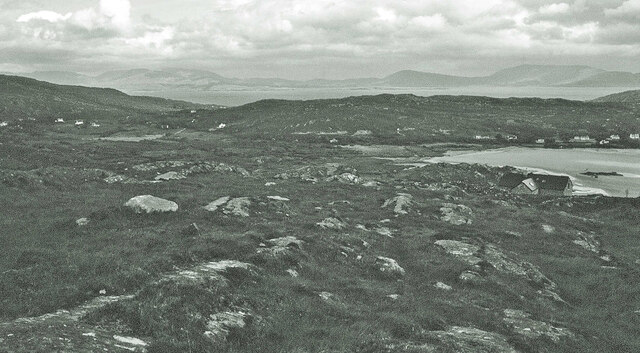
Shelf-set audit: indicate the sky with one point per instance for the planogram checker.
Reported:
(304, 39)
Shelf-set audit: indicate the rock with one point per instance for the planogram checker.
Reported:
(463, 251)
(270, 183)
(588, 242)
(384, 231)
(548, 229)
(102, 292)
(362, 133)
(389, 266)
(456, 214)
(238, 207)
(213, 206)
(472, 340)
(220, 325)
(521, 324)
(332, 223)
(345, 178)
(169, 176)
(208, 271)
(82, 221)
(150, 204)
(192, 230)
(371, 184)
(470, 277)
(281, 246)
(293, 273)
(278, 198)
(326, 296)
(400, 203)
(443, 286)
(393, 296)
(130, 340)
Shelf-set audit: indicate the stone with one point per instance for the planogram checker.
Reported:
(220, 325)
(389, 266)
(470, 277)
(280, 246)
(130, 340)
(548, 229)
(472, 340)
(151, 204)
(277, 198)
(400, 203)
(443, 286)
(293, 273)
(169, 176)
(331, 223)
(463, 251)
(81, 222)
(214, 205)
(521, 323)
(456, 214)
(238, 206)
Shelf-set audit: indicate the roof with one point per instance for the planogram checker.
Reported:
(530, 184)
(511, 180)
(550, 182)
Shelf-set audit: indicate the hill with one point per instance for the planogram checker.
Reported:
(164, 80)
(22, 97)
(632, 97)
(410, 118)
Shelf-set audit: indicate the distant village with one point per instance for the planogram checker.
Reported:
(578, 140)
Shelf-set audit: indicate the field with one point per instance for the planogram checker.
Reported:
(354, 254)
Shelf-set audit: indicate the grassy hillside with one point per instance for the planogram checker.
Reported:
(628, 97)
(22, 97)
(409, 118)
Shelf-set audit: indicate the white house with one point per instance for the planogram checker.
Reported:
(634, 136)
(540, 141)
(95, 125)
(4, 123)
(59, 120)
(614, 137)
(79, 122)
(193, 112)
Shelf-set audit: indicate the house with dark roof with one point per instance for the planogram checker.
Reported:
(537, 184)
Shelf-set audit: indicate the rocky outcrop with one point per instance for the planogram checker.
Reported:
(463, 251)
(456, 214)
(521, 323)
(221, 324)
(151, 204)
(389, 266)
(238, 206)
(280, 246)
(169, 176)
(214, 205)
(331, 223)
(472, 340)
(400, 203)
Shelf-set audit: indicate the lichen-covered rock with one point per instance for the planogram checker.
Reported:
(456, 214)
(214, 205)
(169, 176)
(389, 266)
(472, 340)
(281, 246)
(151, 204)
(463, 251)
(238, 207)
(521, 323)
(220, 325)
(332, 223)
(400, 203)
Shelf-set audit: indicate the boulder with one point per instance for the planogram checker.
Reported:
(238, 207)
(221, 324)
(82, 221)
(169, 176)
(463, 251)
(151, 204)
(456, 214)
(214, 205)
(389, 266)
(472, 340)
(521, 323)
(400, 203)
(332, 223)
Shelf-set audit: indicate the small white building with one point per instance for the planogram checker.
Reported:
(540, 141)
(95, 125)
(4, 123)
(193, 112)
(634, 136)
(59, 120)
(614, 137)
(79, 123)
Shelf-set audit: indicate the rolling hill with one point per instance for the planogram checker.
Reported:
(22, 97)
(632, 97)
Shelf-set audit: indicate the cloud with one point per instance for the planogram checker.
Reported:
(323, 37)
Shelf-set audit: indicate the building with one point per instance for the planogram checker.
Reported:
(59, 120)
(537, 184)
(634, 136)
(79, 123)
(614, 138)
(540, 141)
(480, 137)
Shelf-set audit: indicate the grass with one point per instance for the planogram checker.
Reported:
(51, 263)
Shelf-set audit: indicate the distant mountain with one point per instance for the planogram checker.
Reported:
(541, 75)
(22, 97)
(632, 97)
(175, 79)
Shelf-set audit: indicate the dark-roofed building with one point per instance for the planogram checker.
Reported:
(553, 184)
(536, 184)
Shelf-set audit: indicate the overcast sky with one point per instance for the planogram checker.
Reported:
(304, 39)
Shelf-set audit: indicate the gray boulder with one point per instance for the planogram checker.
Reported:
(151, 204)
